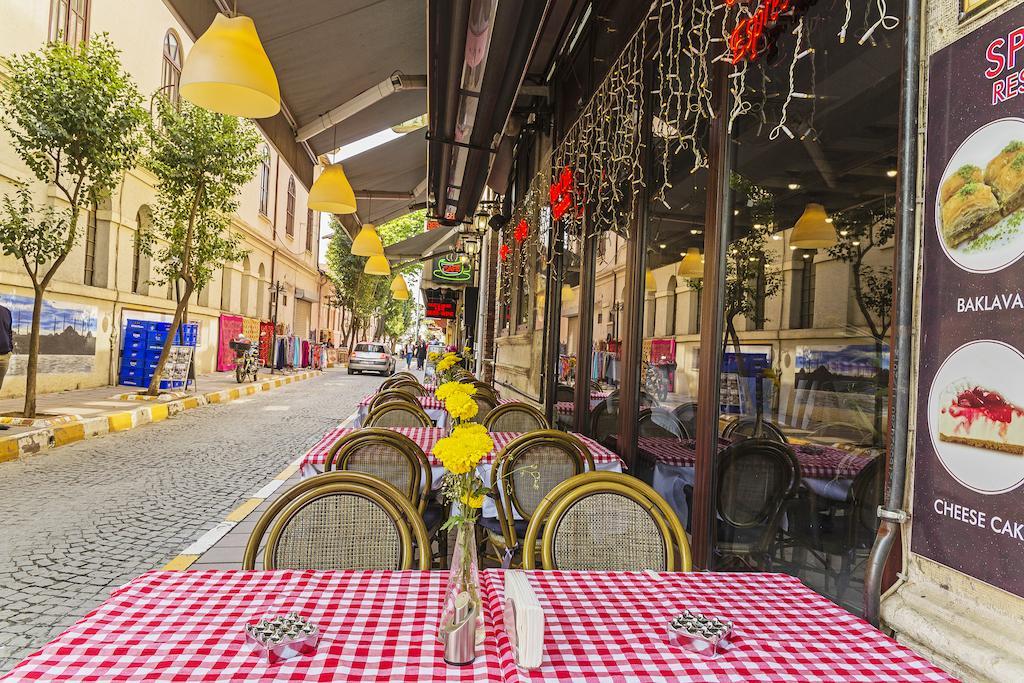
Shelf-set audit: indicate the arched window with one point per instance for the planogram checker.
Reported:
(171, 66)
(137, 255)
(289, 210)
(69, 21)
(91, 232)
(265, 181)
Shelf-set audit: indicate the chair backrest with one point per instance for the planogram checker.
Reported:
(604, 420)
(755, 476)
(515, 417)
(411, 387)
(564, 392)
(747, 428)
(389, 395)
(606, 521)
(528, 468)
(485, 403)
(397, 414)
(395, 379)
(843, 431)
(340, 520)
(659, 422)
(866, 492)
(387, 455)
(686, 413)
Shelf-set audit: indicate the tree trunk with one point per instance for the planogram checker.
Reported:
(179, 313)
(32, 370)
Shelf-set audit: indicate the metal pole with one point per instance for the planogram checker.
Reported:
(892, 515)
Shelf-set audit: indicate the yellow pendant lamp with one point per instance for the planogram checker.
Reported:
(331, 192)
(367, 242)
(568, 294)
(228, 71)
(649, 284)
(692, 265)
(399, 288)
(812, 230)
(377, 265)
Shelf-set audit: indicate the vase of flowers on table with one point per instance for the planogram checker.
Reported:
(460, 452)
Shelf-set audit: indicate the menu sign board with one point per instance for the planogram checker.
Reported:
(178, 362)
(969, 463)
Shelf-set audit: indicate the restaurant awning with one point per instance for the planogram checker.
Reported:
(325, 54)
(423, 246)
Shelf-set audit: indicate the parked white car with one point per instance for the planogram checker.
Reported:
(371, 357)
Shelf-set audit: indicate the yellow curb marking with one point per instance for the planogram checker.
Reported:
(119, 422)
(158, 412)
(233, 393)
(250, 390)
(287, 472)
(68, 434)
(243, 510)
(180, 562)
(191, 403)
(9, 449)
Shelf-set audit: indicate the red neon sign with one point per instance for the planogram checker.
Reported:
(440, 309)
(745, 40)
(561, 193)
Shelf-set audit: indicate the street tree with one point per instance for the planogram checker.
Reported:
(201, 160)
(861, 232)
(74, 117)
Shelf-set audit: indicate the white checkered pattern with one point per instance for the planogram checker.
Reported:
(611, 626)
(189, 627)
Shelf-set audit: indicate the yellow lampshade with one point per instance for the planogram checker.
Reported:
(228, 71)
(813, 231)
(692, 264)
(332, 192)
(399, 288)
(649, 284)
(367, 242)
(568, 294)
(377, 265)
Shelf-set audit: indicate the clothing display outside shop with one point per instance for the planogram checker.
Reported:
(230, 327)
(266, 339)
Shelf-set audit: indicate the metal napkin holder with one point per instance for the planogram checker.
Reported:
(281, 638)
(705, 636)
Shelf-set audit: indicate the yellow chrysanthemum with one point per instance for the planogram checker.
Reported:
(472, 501)
(447, 363)
(433, 356)
(461, 406)
(449, 388)
(463, 450)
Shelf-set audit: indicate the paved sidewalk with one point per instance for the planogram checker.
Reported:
(86, 413)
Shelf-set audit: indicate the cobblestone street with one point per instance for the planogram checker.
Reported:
(88, 517)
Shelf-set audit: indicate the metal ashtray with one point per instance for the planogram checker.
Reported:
(706, 636)
(281, 638)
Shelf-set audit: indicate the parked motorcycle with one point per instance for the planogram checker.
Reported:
(246, 359)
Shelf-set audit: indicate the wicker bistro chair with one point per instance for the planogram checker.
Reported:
(526, 469)
(413, 388)
(606, 521)
(604, 421)
(340, 520)
(485, 403)
(746, 428)
(660, 422)
(564, 392)
(397, 414)
(396, 459)
(755, 477)
(515, 417)
(686, 413)
(397, 378)
(389, 395)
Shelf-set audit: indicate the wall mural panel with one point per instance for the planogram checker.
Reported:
(67, 342)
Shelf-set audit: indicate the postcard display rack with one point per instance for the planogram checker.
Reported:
(143, 342)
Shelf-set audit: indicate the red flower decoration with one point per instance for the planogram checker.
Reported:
(521, 231)
(503, 252)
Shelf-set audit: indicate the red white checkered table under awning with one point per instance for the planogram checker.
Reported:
(425, 437)
(382, 626)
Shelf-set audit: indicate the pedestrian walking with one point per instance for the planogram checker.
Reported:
(421, 354)
(408, 356)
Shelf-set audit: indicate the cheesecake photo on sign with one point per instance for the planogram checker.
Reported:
(976, 416)
(980, 202)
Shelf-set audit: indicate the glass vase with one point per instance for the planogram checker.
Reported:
(462, 610)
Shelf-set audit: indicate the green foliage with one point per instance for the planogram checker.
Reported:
(861, 231)
(368, 297)
(201, 160)
(74, 118)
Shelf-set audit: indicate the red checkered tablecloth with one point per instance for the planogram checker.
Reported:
(426, 437)
(816, 462)
(610, 626)
(188, 627)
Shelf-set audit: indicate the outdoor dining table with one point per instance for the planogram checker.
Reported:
(432, 406)
(315, 459)
(826, 470)
(188, 627)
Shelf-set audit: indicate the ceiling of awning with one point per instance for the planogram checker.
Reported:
(326, 53)
(426, 244)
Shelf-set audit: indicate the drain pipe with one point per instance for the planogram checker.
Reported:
(892, 514)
